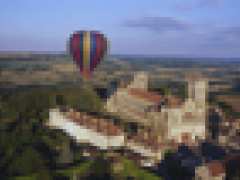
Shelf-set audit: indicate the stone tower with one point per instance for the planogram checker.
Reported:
(200, 93)
(191, 89)
(140, 81)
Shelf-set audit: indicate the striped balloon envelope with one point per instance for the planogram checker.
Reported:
(88, 49)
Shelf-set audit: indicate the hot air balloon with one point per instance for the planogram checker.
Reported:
(88, 49)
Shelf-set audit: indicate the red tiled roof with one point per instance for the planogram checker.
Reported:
(216, 168)
(149, 142)
(149, 96)
(188, 116)
(174, 101)
(97, 124)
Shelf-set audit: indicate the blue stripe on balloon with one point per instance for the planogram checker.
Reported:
(81, 34)
(92, 49)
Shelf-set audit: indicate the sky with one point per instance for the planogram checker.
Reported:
(151, 27)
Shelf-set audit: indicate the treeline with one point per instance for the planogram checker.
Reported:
(27, 145)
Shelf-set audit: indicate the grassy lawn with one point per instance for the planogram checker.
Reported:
(32, 177)
(80, 170)
(130, 169)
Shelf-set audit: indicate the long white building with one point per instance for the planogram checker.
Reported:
(83, 134)
(101, 134)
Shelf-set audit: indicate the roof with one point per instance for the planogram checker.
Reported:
(150, 142)
(146, 95)
(174, 101)
(216, 168)
(100, 125)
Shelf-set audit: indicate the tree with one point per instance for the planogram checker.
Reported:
(27, 145)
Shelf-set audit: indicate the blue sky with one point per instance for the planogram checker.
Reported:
(160, 27)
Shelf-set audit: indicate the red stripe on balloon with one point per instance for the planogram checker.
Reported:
(75, 49)
(102, 47)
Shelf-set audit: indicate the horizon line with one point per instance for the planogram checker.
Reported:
(20, 52)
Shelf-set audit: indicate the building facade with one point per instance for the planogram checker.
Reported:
(166, 116)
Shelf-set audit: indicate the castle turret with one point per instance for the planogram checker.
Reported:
(197, 90)
(191, 90)
(140, 81)
(200, 89)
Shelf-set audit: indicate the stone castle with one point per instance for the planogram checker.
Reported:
(167, 117)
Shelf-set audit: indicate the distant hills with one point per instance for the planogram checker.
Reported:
(48, 54)
(175, 57)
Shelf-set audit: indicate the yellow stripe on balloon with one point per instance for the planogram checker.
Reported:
(86, 53)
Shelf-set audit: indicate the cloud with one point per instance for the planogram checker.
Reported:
(185, 37)
(158, 24)
(232, 31)
(209, 3)
(197, 4)
(225, 36)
